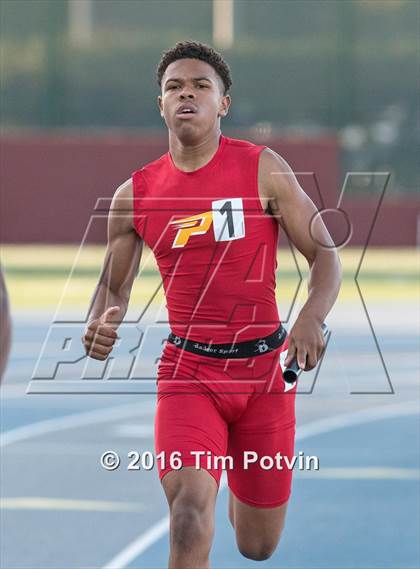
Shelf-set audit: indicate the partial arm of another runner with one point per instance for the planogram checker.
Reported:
(112, 293)
(5, 325)
(296, 213)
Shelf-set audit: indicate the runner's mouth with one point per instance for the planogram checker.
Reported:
(186, 111)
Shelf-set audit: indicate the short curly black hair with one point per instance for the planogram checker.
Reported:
(195, 50)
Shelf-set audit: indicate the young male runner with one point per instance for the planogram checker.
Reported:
(210, 210)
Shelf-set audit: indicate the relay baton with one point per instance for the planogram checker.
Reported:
(290, 374)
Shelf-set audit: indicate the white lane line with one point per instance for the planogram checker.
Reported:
(357, 418)
(13, 391)
(137, 547)
(75, 420)
(360, 473)
(39, 503)
(134, 430)
(90, 386)
(157, 531)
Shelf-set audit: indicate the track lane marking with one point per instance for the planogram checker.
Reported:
(40, 503)
(314, 428)
(360, 473)
(74, 420)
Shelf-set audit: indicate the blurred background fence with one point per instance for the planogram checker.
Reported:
(78, 100)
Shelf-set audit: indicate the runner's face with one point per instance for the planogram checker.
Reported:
(192, 100)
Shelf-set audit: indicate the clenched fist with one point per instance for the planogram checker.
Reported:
(100, 335)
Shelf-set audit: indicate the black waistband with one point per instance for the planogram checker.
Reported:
(248, 349)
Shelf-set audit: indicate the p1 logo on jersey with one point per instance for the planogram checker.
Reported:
(227, 216)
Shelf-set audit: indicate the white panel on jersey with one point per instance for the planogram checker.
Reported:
(283, 356)
(287, 386)
(228, 219)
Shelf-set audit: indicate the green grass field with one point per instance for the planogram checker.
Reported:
(44, 276)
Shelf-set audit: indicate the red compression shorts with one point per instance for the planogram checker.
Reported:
(227, 408)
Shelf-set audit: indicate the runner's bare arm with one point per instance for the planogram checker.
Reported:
(294, 211)
(5, 325)
(112, 293)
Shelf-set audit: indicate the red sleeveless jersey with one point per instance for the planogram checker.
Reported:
(214, 245)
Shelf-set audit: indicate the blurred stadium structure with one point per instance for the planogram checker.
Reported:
(304, 72)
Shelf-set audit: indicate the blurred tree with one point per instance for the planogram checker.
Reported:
(345, 71)
(55, 65)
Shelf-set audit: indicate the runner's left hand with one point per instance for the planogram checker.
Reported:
(306, 342)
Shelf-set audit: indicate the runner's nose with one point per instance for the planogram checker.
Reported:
(186, 94)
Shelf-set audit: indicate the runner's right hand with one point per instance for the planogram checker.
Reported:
(100, 335)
